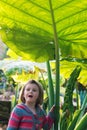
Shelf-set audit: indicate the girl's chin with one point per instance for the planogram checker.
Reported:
(30, 102)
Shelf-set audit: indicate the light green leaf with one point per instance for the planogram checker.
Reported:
(26, 27)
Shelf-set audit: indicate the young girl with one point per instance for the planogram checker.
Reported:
(29, 115)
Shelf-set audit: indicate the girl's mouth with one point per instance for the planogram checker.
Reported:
(30, 96)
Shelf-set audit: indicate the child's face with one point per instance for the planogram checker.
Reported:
(31, 93)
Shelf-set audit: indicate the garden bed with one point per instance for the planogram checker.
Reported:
(5, 109)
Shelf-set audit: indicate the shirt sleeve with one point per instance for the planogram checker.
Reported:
(48, 120)
(14, 119)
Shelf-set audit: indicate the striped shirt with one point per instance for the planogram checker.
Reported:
(22, 118)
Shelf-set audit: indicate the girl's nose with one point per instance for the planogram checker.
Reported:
(31, 90)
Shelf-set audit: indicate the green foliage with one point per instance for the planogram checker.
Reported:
(78, 121)
(63, 121)
(68, 108)
(72, 124)
(68, 105)
(82, 124)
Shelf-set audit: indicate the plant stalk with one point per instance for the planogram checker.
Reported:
(57, 78)
(50, 86)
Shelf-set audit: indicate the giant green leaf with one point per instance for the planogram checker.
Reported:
(26, 27)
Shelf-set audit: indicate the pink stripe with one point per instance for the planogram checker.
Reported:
(20, 106)
(13, 123)
(27, 118)
(26, 124)
(14, 115)
(41, 118)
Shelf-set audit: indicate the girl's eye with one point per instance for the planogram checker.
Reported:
(27, 89)
(34, 90)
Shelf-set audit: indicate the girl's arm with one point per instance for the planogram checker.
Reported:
(49, 119)
(14, 119)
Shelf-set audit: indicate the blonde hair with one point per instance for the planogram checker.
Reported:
(40, 97)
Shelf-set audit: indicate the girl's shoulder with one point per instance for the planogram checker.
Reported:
(21, 105)
(18, 107)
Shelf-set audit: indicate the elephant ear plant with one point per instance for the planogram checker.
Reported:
(45, 30)
(68, 108)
